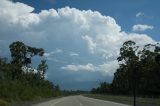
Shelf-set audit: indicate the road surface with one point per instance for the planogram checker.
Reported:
(78, 101)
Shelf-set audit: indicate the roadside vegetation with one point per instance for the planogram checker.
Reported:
(20, 81)
(139, 70)
(141, 101)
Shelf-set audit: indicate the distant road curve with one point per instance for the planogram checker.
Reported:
(78, 101)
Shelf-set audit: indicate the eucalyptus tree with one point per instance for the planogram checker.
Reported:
(21, 57)
(126, 74)
(150, 70)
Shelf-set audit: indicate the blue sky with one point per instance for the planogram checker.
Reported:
(81, 37)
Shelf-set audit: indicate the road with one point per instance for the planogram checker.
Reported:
(78, 101)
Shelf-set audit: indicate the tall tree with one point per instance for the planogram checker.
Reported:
(138, 68)
(21, 56)
(125, 77)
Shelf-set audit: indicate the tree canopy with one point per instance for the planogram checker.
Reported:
(138, 67)
(18, 79)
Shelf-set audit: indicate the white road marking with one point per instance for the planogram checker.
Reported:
(53, 104)
(80, 104)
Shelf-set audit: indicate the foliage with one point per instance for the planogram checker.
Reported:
(126, 99)
(3, 103)
(74, 92)
(104, 88)
(21, 57)
(19, 81)
(42, 69)
(138, 69)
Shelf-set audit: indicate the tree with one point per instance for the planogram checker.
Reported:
(138, 69)
(150, 70)
(125, 75)
(21, 57)
(42, 69)
(129, 58)
(157, 51)
(103, 88)
(27, 85)
(5, 68)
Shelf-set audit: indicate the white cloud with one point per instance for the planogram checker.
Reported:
(57, 51)
(87, 67)
(139, 14)
(142, 27)
(105, 69)
(73, 54)
(108, 68)
(90, 42)
(17, 14)
(70, 29)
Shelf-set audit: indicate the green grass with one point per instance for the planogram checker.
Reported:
(3, 103)
(126, 99)
(30, 103)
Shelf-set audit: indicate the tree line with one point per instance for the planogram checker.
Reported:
(139, 69)
(19, 80)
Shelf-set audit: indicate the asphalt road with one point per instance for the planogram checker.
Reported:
(78, 101)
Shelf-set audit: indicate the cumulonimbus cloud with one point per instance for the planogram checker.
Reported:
(84, 31)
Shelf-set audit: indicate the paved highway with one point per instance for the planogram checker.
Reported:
(78, 101)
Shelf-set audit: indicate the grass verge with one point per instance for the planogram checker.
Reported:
(3, 103)
(6, 102)
(30, 103)
(127, 99)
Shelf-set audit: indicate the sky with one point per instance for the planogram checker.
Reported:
(81, 38)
